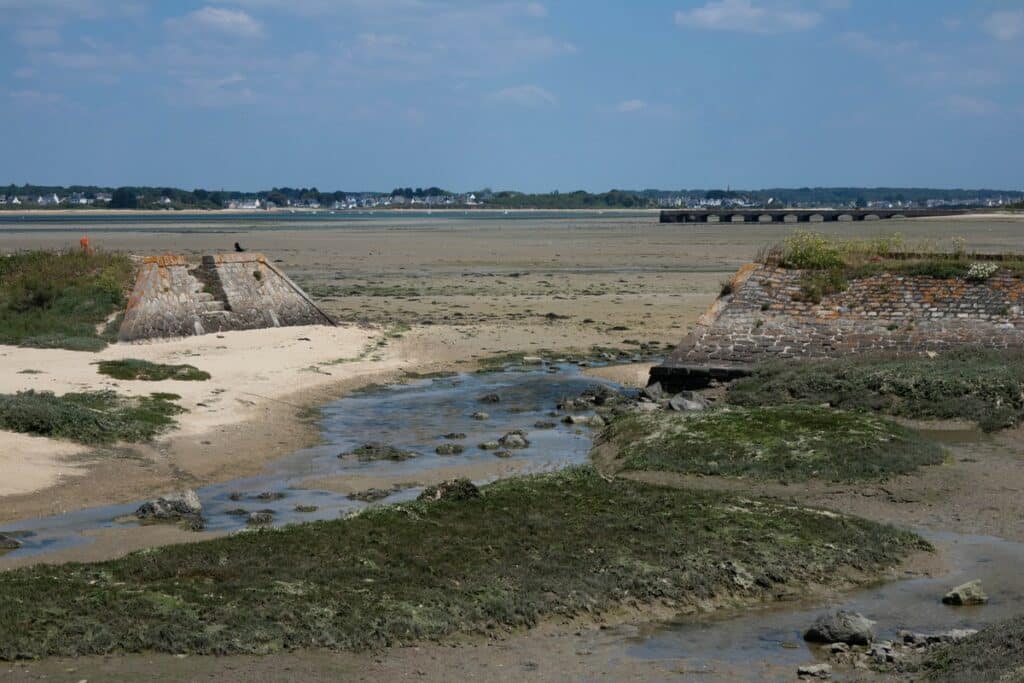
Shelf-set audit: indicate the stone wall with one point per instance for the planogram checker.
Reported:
(172, 298)
(767, 316)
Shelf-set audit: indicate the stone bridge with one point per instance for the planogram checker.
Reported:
(796, 215)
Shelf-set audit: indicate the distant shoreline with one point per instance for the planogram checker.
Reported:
(286, 211)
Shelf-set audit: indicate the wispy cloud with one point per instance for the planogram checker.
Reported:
(628, 106)
(1005, 24)
(37, 37)
(218, 20)
(744, 16)
(532, 96)
(35, 98)
(974, 106)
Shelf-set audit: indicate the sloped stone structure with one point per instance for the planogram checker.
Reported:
(766, 315)
(172, 298)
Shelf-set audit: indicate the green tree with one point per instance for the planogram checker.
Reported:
(123, 198)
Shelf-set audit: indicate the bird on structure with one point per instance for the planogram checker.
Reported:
(238, 247)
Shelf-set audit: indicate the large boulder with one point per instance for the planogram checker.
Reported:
(171, 507)
(969, 593)
(687, 401)
(841, 626)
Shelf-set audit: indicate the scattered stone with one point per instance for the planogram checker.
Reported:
(646, 407)
(480, 416)
(450, 449)
(814, 671)
(306, 508)
(238, 512)
(514, 439)
(599, 395)
(372, 494)
(838, 648)
(969, 593)
(597, 421)
(380, 451)
(174, 507)
(456, 489)
(454, 436)
(928, 639)
(841, 626)
(533, 360)
(9, 542)
(489, 398)
(503, 453)
(882, 653)
(544, 424)
(236, 495)
(261, 518)
(653, 391)
(588, 420)
(687, 401)
(490, 446)
(270, 495)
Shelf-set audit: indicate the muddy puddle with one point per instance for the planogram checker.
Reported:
(414, 417)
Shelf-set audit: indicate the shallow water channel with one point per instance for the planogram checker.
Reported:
(757, 645)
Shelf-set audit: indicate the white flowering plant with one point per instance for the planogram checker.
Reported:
(981, 271)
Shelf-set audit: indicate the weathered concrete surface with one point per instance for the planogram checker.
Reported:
(172, 298)
(765, 316)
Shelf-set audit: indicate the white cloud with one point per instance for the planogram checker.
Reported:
(627, 106)
(1004, 25)
(745, 16)
(882, 49)
(975, 106)
(35, 97)
(218, 20)
(532, 96)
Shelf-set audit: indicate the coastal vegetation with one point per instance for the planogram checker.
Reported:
(557, 544)
(93, 418)
(789, 443)
(135, 369)
(995, 653)
(984, 386)
(62, 300)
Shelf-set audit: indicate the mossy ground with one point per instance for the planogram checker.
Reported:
(986, 387)
(555, 544)
(791, 443)
(58, 300)
(996, 653)
(93, 418)
(131, 368)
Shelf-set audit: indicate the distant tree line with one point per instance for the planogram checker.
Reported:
(143, 197)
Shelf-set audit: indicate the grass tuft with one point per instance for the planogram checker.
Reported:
(546, 545)
(792, 443)
(93, 418)
(996, 653)
(131, 368)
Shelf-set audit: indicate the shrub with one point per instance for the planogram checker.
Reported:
(51, 300)
(810, 250)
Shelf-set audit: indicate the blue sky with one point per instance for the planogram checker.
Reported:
(570, 94)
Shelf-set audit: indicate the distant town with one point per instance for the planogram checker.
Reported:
(31, 197)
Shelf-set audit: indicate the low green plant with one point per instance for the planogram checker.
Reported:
(985, 386)
(810, 250)
(93, 418)
(995, 653)
(817, 284)
(792, 443)
(131, 369)
(552, 545)
(57, 300)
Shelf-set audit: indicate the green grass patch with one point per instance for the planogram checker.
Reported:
(983, 386)
(791, 443)
(546, 545)
(131, 368)
(57, 300)
(996, 653)
(93, 418)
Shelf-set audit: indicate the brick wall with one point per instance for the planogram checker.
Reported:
(766, 316)
(172, 298)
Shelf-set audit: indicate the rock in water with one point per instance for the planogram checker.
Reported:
(380, 451)
(841, 627)
(814, 671)
(489, 398)
(969, 593)
(456, 489)
(490, 446)
(9, 543)
(450, 449)
(514, 439)
(480, 416)
(173, 506)
(261, 518)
